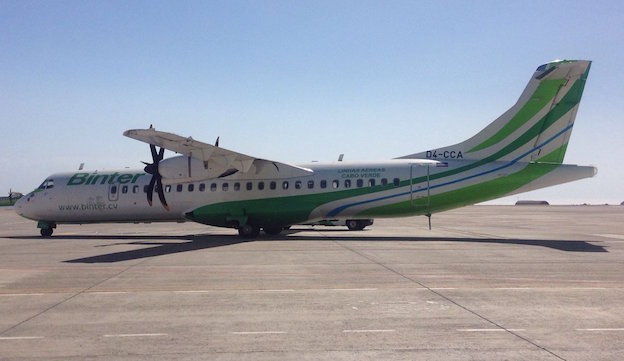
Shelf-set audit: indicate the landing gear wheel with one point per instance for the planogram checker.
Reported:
(46, 232)
(273, 231)
(248, 231)
(354, 225)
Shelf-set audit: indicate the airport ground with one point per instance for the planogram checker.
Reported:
(487, 283)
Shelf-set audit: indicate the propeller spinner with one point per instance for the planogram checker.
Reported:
(152, 168)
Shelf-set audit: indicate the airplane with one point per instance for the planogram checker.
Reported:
(520, 151)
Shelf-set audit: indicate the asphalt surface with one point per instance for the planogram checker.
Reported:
(487, 283)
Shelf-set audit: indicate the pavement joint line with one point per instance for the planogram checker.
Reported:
(443, 288)
(367, 331)
(490, 329)
(276, 290)
(15, 338)
(70, 298)
(599, 329)
(443, 296)
(280, 290)
(136, 335)
(20, 294)
(258, 332)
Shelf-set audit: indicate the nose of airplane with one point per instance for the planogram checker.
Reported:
(21, 206)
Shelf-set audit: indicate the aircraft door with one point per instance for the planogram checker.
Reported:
(113, 192)
(419, 191)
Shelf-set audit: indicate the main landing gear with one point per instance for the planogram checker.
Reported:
(358, 224)
(248, 231)
(252, 231)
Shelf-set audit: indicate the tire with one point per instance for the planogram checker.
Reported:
(354, 225)
(46, 232)
(248, 231)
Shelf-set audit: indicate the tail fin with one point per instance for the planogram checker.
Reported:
(536, 128)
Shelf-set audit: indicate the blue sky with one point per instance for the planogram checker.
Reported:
(296, 80)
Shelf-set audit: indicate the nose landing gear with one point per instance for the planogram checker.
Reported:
(46, 228)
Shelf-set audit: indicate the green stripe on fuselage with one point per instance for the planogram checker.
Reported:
(476, 193)
(276, 211)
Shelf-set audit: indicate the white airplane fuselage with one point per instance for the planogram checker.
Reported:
(522, 150)
(119, 196)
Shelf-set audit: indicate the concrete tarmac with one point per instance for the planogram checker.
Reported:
(487, 283)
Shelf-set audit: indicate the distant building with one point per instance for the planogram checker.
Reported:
(532, 203)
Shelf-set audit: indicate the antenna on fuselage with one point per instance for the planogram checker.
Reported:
(340, 157)
(81, 166)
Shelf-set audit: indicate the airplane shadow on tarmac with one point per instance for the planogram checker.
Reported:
(159, 245)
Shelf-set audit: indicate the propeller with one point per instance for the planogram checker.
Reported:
(152, 168)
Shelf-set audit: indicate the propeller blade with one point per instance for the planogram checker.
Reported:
(161, 193)
(150, 190)
(154, 154)
(152, 168)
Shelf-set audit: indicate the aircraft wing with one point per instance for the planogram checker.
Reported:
(222, 158)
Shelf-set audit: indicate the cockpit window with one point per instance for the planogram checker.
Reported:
(47, 184)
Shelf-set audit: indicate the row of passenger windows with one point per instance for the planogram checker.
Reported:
(273, 185)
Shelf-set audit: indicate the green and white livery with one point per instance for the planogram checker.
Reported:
(520, 151)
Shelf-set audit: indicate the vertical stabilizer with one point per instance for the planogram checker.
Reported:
(536, 128)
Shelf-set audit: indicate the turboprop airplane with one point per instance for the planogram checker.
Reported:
(520, 151)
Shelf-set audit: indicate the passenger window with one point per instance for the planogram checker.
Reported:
(225, 187)
(384, 181)
(124, 189)
(323, 184)
(237, 186)
(310, 184)
(213, 187)
(260, 185)
(285, 185)
(168, 188)
(179, 187)
(335, 184)
(272, 185)
(249, 186)
(298, 185)
(135, 189)
(202, 187)
(396, 182)
(191, 187)
(347, 183)
(360, 183)
(371, 182)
